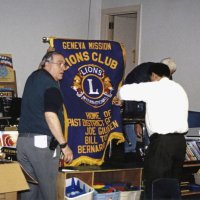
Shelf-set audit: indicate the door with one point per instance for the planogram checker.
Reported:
(122, 25)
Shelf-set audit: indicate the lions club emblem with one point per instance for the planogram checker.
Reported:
(92, 85)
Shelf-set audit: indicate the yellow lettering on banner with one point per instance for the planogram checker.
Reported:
(107, 120)
(96, 57)
(77, 58)
(107, 113)
(108, 129)
(84, 149)
(73, 45)
(104, 137)
(100, 45)
(90, 131)
(90, 140)
(86, 122)
(92, 115)
(74, 122)
(110, 62)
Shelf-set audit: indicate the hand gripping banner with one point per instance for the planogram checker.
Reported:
(95, 71)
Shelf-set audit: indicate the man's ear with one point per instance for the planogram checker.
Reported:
(155, 77)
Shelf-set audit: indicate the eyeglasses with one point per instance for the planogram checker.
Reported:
(59, 64)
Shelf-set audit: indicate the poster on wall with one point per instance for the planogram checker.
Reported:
(89, 86)
(8, 141)
(6, 68)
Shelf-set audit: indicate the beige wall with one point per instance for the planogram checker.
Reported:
(170, 28)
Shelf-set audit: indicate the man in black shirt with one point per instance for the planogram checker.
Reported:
(41, 120)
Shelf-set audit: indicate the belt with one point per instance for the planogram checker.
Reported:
(156, 135)
(31, 134)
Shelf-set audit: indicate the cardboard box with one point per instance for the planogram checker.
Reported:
(8, 196)
(12, 180)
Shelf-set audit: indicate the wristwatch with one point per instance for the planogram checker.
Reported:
(63, 145)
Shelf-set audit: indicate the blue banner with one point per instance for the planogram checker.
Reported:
(95, 72)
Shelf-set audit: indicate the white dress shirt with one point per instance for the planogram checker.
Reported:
(166, 105)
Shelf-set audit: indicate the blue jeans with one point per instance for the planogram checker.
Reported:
(130, 132)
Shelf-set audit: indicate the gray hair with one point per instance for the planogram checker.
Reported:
(48, 57)
(170, 63)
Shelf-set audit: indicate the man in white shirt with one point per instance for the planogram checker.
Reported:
(166, 123)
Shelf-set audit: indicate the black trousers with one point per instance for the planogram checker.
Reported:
(164, 159)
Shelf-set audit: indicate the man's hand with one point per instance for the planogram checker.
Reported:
(68, 155)
(116, 101)
(138, 129)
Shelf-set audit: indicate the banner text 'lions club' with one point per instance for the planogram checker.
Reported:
(94, 72)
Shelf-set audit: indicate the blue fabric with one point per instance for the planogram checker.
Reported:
(89, 85)
(193, 119)
(129, 130)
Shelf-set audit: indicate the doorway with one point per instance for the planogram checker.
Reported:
(123, 25)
